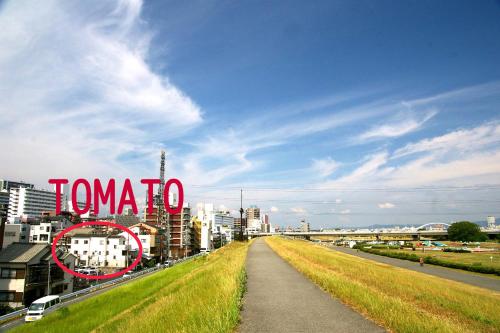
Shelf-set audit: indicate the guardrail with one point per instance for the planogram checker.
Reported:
(91, 289)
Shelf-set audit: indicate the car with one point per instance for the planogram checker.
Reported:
(40, 307)
(127, 275)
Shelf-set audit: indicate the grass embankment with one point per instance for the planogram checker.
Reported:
(480, 262)
(201, 295)
(398, 299)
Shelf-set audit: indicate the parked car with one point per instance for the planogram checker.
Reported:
(40, 307)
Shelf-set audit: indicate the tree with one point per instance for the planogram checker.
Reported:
(466, 231)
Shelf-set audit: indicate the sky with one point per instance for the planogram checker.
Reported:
(338, 112)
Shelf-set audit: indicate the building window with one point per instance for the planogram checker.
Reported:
(84, 253)
(8, 273)
(114, 257)
(115, 246)
(143, 241)
(76, 252)
(99, 252)
(85, 242)
(101, 242)
(7, 296)
(35, 238)
(76, 241)
(48, 229)
(107, 252)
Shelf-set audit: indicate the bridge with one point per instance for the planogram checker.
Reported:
(383, 234)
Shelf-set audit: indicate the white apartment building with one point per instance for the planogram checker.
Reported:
(29, 203)
(206, 244)
(44, 232)
(224, 225)
(100, 250)
(491, 222)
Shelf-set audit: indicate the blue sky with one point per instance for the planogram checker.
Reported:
(343, 113)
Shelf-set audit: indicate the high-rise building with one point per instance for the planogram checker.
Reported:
(6, 185)
(25, 202)
(224, 226)
(180, 233)
(304, 226)
(253, 213)
(491, 222)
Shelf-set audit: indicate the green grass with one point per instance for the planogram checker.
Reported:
(201, 295)
(399, 300)
(474, 262)
(481, 258)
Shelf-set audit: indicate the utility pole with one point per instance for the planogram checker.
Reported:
(241, 214)
(160, 214)
(48, 278)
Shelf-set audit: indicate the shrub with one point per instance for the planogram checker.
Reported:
(456, 250)
(476, 267)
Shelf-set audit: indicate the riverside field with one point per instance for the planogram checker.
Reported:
(399, 300)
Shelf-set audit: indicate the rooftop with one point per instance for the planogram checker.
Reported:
(21, 252)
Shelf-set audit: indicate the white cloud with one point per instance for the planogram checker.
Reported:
(76, 88)
(298, 210)
(398, 127)
(461, 140)
(386, 205)
(345, 211)
(274, 209)
(338, 201)
(324, 167)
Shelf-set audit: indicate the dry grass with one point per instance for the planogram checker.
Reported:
(202, 295)
(398, 299)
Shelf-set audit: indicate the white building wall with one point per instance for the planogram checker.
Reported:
(28, 202)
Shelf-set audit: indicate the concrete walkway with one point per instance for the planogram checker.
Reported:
(482, 281)
(280, 299)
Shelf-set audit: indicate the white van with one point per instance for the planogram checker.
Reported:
(40, 306)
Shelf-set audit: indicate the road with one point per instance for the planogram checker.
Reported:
(280, 299)
(477, 280)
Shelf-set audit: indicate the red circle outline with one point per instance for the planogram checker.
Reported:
(96, 277)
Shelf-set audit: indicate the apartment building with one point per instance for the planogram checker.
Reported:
(29, 203)
(151, 239)
(24, 273)
(45, 231)
(180, 233)
(105, 251)
(15, 233)
(224, 226)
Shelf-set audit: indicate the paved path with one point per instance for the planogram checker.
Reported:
(447, 273)
(280, 299)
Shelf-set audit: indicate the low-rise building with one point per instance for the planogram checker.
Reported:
(150, 238)
(15, 233)
(104, 251)
(24, 273)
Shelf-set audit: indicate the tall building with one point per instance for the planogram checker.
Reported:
(205, 214)
(304, 226)
(491, 222)
(224, 226)
(6, 185)
(253, 213)
(180, 233)
(25, 202)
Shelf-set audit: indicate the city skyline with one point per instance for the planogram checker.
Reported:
(314, 115)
